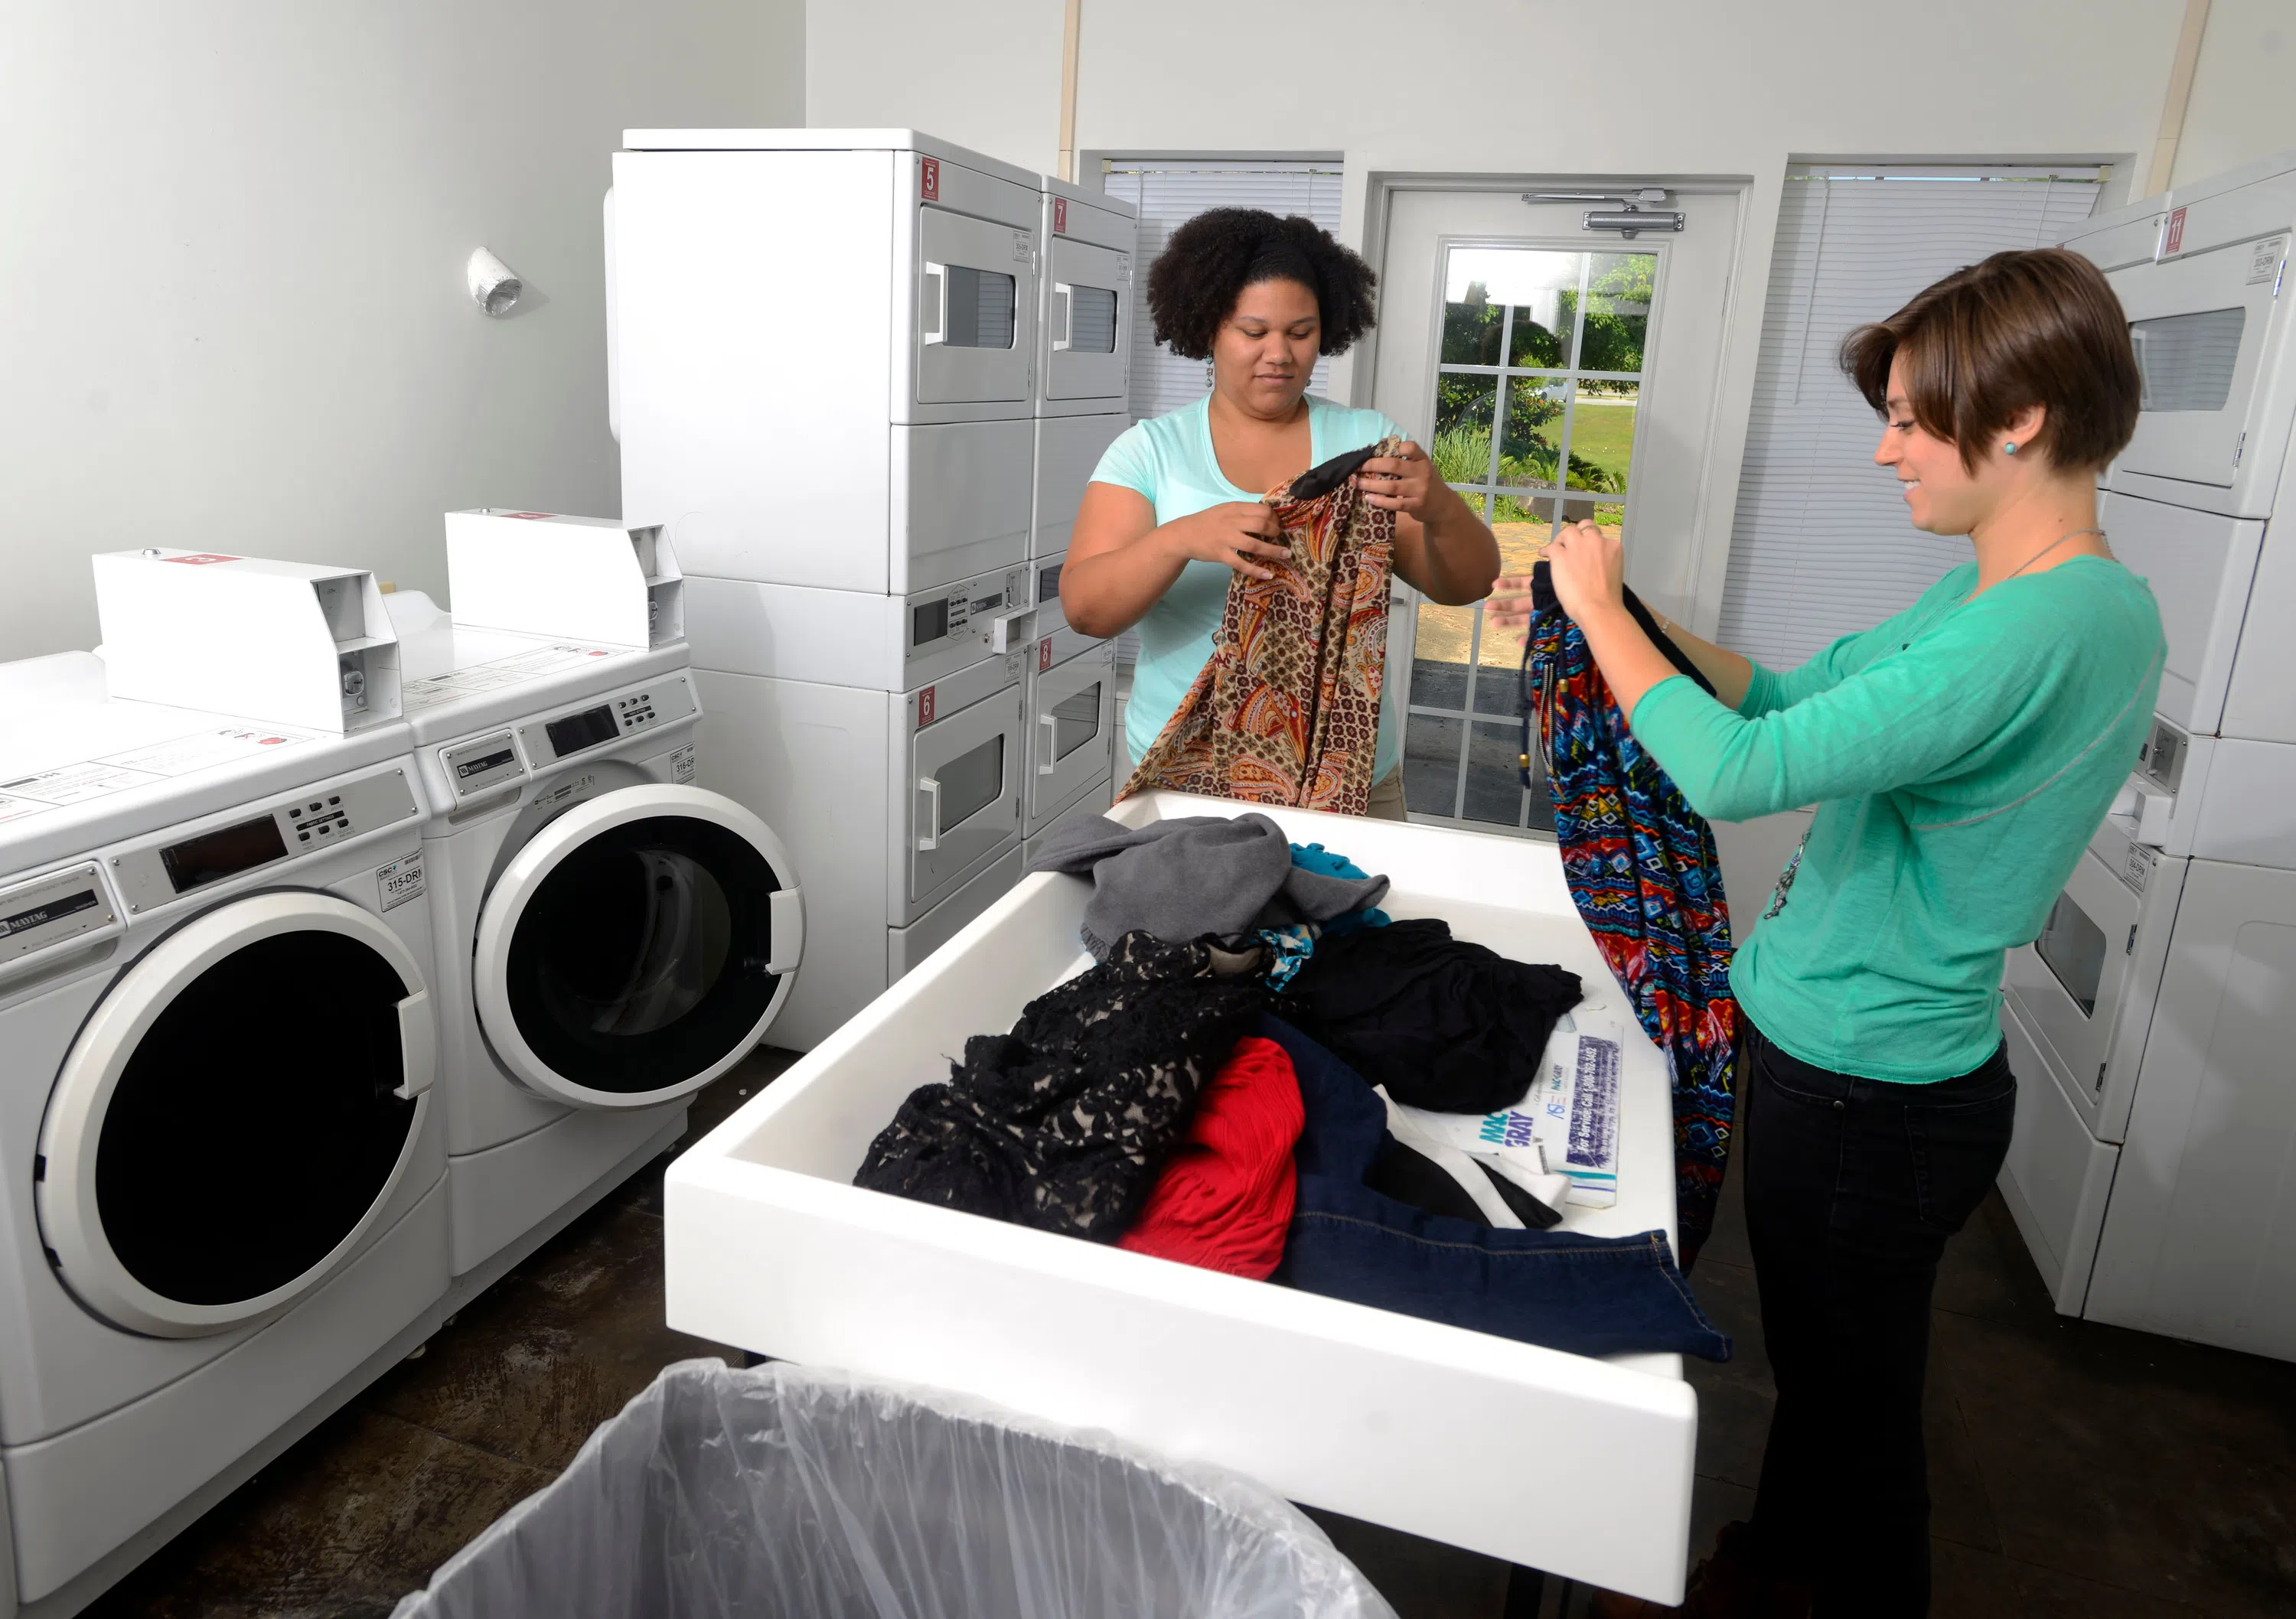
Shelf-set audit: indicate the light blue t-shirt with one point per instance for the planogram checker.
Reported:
(1170, 460)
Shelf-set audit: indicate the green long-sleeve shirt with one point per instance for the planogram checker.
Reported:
(1961, 757)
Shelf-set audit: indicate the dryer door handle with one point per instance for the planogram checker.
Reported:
(785, 914)
(418, 1045)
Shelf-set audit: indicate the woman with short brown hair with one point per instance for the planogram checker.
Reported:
(1961, 756)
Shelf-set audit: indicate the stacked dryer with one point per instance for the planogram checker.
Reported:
(1083, 375)
(2152, 1024)
(611, 937)
(826, 365)
(221, 1208)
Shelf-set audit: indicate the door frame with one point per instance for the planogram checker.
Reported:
(1707, 552)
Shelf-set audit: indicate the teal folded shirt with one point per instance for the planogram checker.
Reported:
(1169, 459)
(1961, 756)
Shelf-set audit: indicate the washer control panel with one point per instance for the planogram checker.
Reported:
(59, 908)
(229, 845)
(636, 709)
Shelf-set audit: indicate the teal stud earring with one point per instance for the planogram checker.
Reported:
(2009, 448)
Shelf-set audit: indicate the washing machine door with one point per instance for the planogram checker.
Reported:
(235, 1116)
(638, 946)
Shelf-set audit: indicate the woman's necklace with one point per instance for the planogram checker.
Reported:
(2068, 535)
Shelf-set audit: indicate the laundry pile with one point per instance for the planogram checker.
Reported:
(1263, 1074)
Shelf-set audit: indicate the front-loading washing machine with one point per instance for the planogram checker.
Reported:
(222, 1209)
(611, 937)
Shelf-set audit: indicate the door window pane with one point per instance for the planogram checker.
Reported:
(1430, 764)
(1441, 640)
(1075, 721)
(1092, 320)
(2187, 360)
(1495, 775)
(972, 781)
(2074, 948)
(980, 305)
(1543, 440)
(1619, 287)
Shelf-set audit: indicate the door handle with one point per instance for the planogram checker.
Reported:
(937, 301)
(1067, 295)
(1051, 740)
(929, 840)
(785, 916)
(418, 1046)
(2143, 375)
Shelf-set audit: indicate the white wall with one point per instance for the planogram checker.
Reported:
(231, 245)
(1530, 88)
(983, 73)
(2244, 104)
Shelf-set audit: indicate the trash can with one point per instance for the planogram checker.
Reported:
(781, 1492)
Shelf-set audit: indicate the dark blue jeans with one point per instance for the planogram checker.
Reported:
(1588, 1295)
(1852, 1187)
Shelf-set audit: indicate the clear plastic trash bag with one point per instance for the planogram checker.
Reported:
(780, 1493)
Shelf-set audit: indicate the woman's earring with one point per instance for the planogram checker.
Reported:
(1207, 373)
(2010, 448)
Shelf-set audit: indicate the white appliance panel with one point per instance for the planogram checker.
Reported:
(2200, 1241)
(1069, 449)
(960, 504)
(2057, 1177)
(2261, 703)
(2200, 565)
(964, 792)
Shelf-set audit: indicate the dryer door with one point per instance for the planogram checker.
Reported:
(235, 1115)
(638, 946)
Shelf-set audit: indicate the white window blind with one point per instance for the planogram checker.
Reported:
(1169, 192)
(1821, 546)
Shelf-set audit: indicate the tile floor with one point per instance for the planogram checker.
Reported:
(2078, 1470)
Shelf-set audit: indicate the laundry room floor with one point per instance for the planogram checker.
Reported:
(2078, 1470)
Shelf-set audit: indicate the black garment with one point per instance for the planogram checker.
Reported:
(1065, 1123)
(1441, 1023)
(1852, 1187)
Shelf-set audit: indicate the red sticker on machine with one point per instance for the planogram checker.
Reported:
(930, 182)
(1060, 215)
(1044, 654)
(532, 517)
(200, 559)
(2175, 241)
(924, 708)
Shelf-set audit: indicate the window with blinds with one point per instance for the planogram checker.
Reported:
(1820, 545)
(1169, 192)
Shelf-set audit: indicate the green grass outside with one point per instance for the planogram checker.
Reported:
(1603, 434)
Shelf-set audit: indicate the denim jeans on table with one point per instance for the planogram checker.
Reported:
(1852, 1186)
(1588, 1295)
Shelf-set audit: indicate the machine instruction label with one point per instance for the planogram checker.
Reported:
(401, 880)
(2264, 262)
(140, 767)
(456, 683)
(681, 763)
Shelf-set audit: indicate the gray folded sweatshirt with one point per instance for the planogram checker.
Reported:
(1184, 877)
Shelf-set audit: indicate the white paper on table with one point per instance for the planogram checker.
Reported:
(1569, 1122)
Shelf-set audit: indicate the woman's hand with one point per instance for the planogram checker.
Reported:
(1236, 534)
(1590, 568)
(1401, 482)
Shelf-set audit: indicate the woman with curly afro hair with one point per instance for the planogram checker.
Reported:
(1172, 512)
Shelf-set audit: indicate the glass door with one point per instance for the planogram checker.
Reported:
(2198, 325)
(235, 1115)
(1533, 390)
(1071, 708)
(636, 946)
(965, 796)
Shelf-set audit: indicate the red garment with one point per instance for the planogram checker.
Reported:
(1224, 1201)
